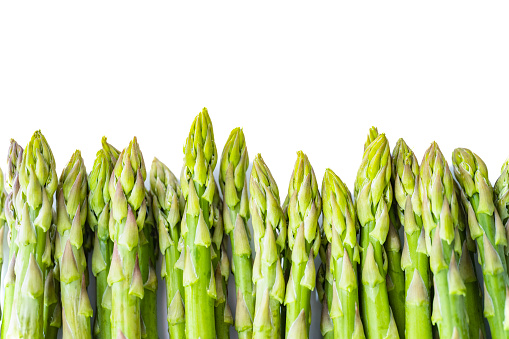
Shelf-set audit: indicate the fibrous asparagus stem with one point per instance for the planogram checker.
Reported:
(129, 210)
(3, 221)
(473, 298)
(148, 254)
(440, 215)
(414, 260)
(15, 156)
(199, 189)
(304, 209)
(168, 205)
(72, 208)
(340, 229)
(269, 228)
(233, 183)
(487, 230)
(99, 218)
(38, 182)
(373, 193)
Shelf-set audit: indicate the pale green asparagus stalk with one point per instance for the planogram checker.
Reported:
(487, 230)
(15, 156)
(440, 216)
(3, 221)
(414, 260)
(148, 255)
(324, 289)
(34, 286)
(99, 218)
(269, 228)
(304, 209)
(72, 208)
(168, 204)
(129, 210)
(501, 191)
(233, 183)
(373, 193)
(199, 189)
(473, 297)
(340, 228)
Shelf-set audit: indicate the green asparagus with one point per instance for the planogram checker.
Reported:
(99, 217)
(340, 228)
(15, 155)
(414, 260)
(304, 209)
(129, 210)
(233, 183)
(440, 216)
(34, 286)
(473, 297)
(269, 228)
(168, 205)
(373, 194)
(501, 190)
(324, 289)
(487, 230)
(148, 254)
(199, 189)
(72, 208)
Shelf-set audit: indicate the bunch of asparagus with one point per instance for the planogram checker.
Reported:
(398, 258)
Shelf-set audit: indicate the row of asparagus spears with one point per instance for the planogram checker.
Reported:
(398, 258)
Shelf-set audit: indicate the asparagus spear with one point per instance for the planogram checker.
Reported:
(148, 254)
(14, 158)
(99, 217)
(324, 289)
(414, 261)
(487, 230)
(501, 191)
(199, 188)
(373, 193)
(129, 209)
(38, 182)
(440, 215)
(304, 209)
(340, 228)
(473, 298)
(168, 205)
(233, 183)
(3, 221)
(269, 228)
(72, 207)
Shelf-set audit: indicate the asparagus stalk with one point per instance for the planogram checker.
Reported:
(304, 209)
(414, 260)
(148, 251)
(129, 210)
(440, 214)
(373, 193)
(15, 156)
(269, 228)
(99, 217)
(340, 228)
(3, 221)
(487, 230)
(501, 190)
(38, 182)
(473, 298)
(168, 205)
(199, 188)
(72, 207)
(324, 289)
(233, 183)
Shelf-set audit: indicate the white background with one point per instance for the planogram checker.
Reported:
(311, 76)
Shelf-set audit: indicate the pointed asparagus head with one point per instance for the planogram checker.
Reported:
(37, 171)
